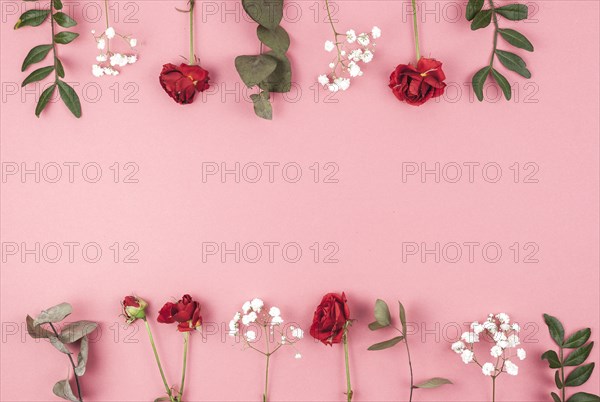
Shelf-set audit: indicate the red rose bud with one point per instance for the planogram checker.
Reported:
(186, 312)
(416, 86)
(330, 319)
(181, 83)
(134, 308)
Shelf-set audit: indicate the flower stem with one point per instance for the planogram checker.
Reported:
(494, 389)
(162, 373)
(107, 24)
(268, 355)
(410, 368)
(562, 374)
(495, 21)
(186, 339)
(416, 29)
(348, 384)
(192, 54)
(73, 365)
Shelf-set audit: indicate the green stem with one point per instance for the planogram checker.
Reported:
(416, 30)
(192, 54)
(54, 57)
(493, 389)
(162, 373)
(268, 355)
(562, 374)
(186, 338)
(73, 365)
(346, 356)
(410, 367)
(495, 22)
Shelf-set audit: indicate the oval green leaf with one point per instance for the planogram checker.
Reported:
(402, 314)
(276, 39)
(578, 356)
(254, 69)
(36, 55)
(552, 358)
(513, 12)
(32, 18)
(53, 314)
(262, 105)
(60, 70)
(433, 383)
(473, 7)
(478, 82)
(481, 20)
(70, 98)
(382, 313)
(280, 80)
(513, 62)
(36, 331)
(557, 331)
(503, 83)
(583, 397)
(82, 357)
(57, 4)
(65, 37)
(386, 344)
(77, 330)
(64, 20)
(557, 380)
(516, 39)
(578, 339)
(555, 397)
(44, 99)
(580, 375)
(63, 390)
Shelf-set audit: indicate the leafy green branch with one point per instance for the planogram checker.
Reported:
(383, 319)
(43, 327)
(576, 358)
(481, 18)
(35, 18)
(271, 71)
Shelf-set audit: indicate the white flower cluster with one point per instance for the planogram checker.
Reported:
(108, 60)
(352, 49)
(505, 338)
(255, 317)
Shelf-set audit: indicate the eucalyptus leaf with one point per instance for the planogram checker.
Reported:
(503, 83)
(402, 317)
(280, 80)
(578, 356)
(481, 20)
(386, 344)
(557, 331)
(36, 55)
(82, 357)
(578, 339)
(59, 345)
(77, 330)
(433, 383)
(516, 39)
(65, 37)
(70, 98)
(262, 105)
(478, 81)
(63, 390)
(32, 18)
(254, 69)
(267, 13)
(276, 39)
(473, 7)
(42, 102)
(382, 313)
(513, 12)
(552, 358)
(36, 331)
(580, 375)
(53, 314)
(64, 20)
(583, 397)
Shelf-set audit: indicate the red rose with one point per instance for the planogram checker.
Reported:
(186, 312)
(416, 86)
(330, 319)
(181, 83)
(134, 308)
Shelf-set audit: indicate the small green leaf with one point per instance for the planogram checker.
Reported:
(35, 331)
(578, 339)
(53, 314)
(57, 4)
(65, 37)
(557, 380)
(32, 18)
(382, 313)
(481, 20)
(38, 75)
(433, 383)
(44, 99)
(82, 357)
(516, 39)
(374, 326)
(513, 12)
(402, 315)
(276, 39)
(552, 358)
(557, 332)
(555, 397)
(254, 69)
(583, 397)
(578, 356)
(63, 390)
(267, 13)
(580, 375)
(262, 105)
(60, 70)
(70, 98)
(59, 345)
(280, 80)
(473, 7)
(77, 330)
(64, 20)
(386, 344)
(503, 83)
(36, 55)
(478, 81)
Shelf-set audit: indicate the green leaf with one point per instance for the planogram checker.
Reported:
(44, 99)
(473, 7)
(64, 20)
(503, 83)
(57, 4)
(382, 313)
(60, 70)
(32, 18)
(82, 357)
(254, 69)
(578, 356)
(433, 383)
(59, 345)
(63, 390)
(77, 330)
(555, 397)
(374, 326)
(267, 13)
(65, 37)
(37, 75)
(513, 12)
(478, 81)
(280, 80)
(557, 332)
(386, 344)
(276, 39)
(53, 314)
(481, 20)
(262, 105)
(35, 331)
(516, 39)
(580, 375)
(557, 380)
(552, 358)
(583, 397)
(402, 317)
(36, 55)
(70, 98)
(578, 339)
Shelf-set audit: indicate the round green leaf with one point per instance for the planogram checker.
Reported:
(276, 39)
(382, 313)
(254, 69)
(280, 80)
(262, 105)
(267, 13)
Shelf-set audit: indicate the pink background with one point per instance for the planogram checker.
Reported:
(552, 122)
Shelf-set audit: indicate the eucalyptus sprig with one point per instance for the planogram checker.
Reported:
(384, 320)
(35, 18)
(271, 71)
(43, 327)
(576, 358)
(481, 18)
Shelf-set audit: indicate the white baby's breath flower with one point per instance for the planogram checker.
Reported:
(458, 346)
(355, 55)
(249, 318)
(298, 333)
(342, 83)
(133, 42)
(516, 327)
(101, 58)
(502, 344)
(257, 304)
(276, 320)
(237, 317)
(97, 71)
(251, 335)
(110, 71)
(505, 327)
(93, 31)
(332, 87)
(351, 36)
(521, 354)
(101, 44)
(354, 69)
(298, 356)
(488, 369)
(131, 59)
(499, 336)
(470, 337)
(246, 307)
(363, 39)
(274, 311)
(490, 326)
(331, 65)
(467, 356)
(110, 32)
(329, 46)
(511, 368)
(367, 56)
(375, 32)
(496, 351)
(503, 318)
(118, 59)
(323, 79)
(513, 340)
